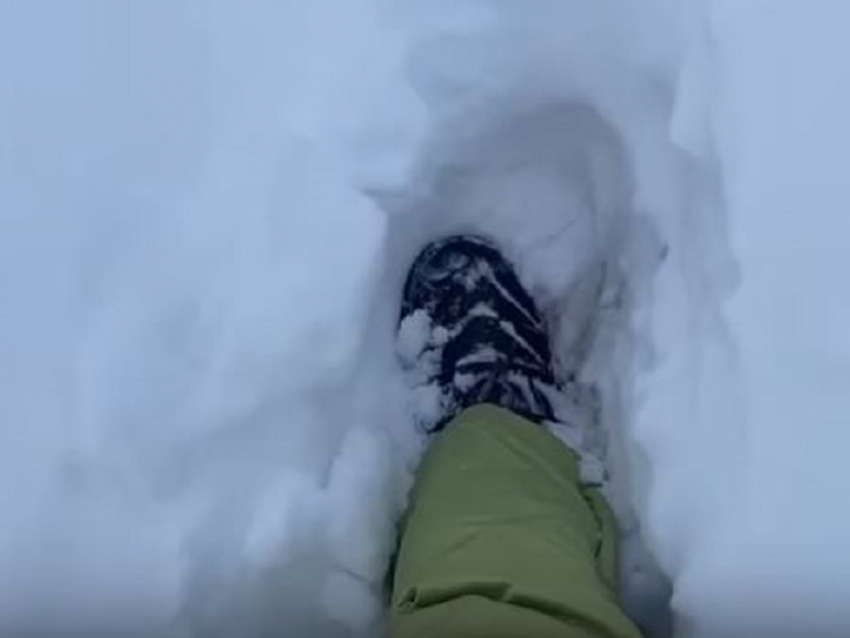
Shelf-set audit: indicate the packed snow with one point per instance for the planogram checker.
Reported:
(207, 210)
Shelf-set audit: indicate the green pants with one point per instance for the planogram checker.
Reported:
(501, 540)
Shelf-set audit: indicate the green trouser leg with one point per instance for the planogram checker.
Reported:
(501, 539)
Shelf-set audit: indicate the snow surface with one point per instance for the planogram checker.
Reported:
(206, 213)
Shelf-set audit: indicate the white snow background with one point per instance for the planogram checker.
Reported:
(206, 213)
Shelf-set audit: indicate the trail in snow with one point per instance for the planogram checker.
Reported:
(206, 213)
(551, 184)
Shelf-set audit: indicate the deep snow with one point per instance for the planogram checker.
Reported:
(206, 213)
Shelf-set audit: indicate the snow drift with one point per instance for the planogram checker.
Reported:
(206, 214)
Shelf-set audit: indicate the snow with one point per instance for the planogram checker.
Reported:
(208, 209)
(780, 149)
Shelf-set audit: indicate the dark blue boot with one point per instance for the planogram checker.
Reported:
(473, 333)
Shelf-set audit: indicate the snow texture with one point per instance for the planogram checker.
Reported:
(206, 213)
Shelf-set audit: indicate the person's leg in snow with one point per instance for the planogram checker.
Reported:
(501, 538)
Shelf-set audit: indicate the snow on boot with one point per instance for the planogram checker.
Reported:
(470, 334)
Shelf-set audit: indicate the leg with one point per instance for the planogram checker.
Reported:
(501, 539)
